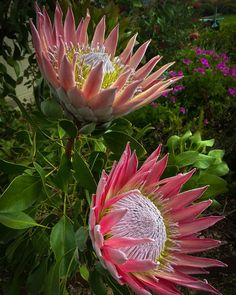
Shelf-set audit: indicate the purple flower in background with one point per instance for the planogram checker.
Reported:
(232, 72)
(199, 51)
(200, 71)
(204, 62)
(224, 56)
(186, 61)
(178, 88)
(206, 122)
(232, 91)
(173, 74)
(165, 93)
(182, 110)
(223, 68)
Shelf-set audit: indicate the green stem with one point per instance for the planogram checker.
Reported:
(69, 147)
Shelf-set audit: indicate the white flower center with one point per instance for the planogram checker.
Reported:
(95, 58)
(142, 220)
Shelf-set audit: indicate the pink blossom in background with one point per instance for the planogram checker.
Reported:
(144, 228)
(199, 51)
(182, 110)
(232, 72)
(173, 74)
(223, 68)
(186, 61)
(200, 70)
(165, 93)
(206, 122)
(232, 91)
(224, 56)
(178, 88)
(204, 62)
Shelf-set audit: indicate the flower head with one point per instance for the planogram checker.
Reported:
(143, 228)
(178, 88)
(232, 91)
(186, 61)
(204, 62)
(182, 110)
(200, 70)
(92, 83)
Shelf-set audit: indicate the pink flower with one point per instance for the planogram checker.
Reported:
(199, 51)
(178, 88)
(232, 72)
(186, 61)
(143, 228)
(200, 70)
(206, 122)
(204, 62)
(91, 82)
(232, 91)
(182, 110)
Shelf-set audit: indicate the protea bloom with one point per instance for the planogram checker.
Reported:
(91, 82)
(143, 228)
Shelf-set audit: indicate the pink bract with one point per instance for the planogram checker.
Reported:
(144, 229)
(91, 82)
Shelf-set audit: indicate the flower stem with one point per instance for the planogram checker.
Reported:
(69, 147)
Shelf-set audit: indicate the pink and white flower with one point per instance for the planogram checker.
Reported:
(92, 83)
(144, 228)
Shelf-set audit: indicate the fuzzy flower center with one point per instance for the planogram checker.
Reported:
(85, 59)
(142, 220)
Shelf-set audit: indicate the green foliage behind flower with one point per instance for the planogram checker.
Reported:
(223, 40)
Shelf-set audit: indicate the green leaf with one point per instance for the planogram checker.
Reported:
(218, 154)
(62, 177)
(22, 192)
(11, 168)
(51, 109)
(116, 141)
(81, 237)
(16, 68)
(220, 169)
(186, 136)
(186, 158)
(36, 280)
(17, 220)
(97, 161)
(172, 143)
(217, 185)
(52, 285)
(209, 143)
(88, 128)
(62, 240)
(96, 283)
(196, 138)
(203, 161)
(84, 272)
(69, 127)
(121, 124)
(83, 174)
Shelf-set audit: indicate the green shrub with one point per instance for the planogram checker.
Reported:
(223, 40)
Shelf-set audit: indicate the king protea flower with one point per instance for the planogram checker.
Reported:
(91, 82)
(143, 228)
